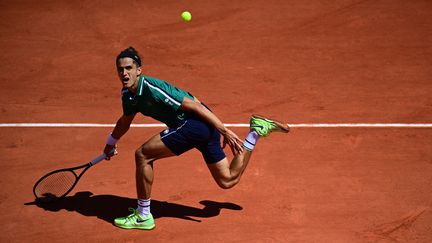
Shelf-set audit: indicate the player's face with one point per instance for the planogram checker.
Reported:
(128, 73)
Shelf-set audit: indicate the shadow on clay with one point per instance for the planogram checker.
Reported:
(109, 207)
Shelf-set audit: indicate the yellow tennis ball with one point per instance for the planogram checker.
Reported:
(186, 16)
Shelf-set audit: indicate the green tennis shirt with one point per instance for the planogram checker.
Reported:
(157, 99)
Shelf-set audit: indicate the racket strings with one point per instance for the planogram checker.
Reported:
(55, 185)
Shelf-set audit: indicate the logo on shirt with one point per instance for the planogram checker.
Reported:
(168, 101)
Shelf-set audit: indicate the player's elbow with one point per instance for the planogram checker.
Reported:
(189, 105)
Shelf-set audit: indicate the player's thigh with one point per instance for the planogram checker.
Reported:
(154, 148)
(220, 170)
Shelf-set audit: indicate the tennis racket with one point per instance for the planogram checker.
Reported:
(58, 183)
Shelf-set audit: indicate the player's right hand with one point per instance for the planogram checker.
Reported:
(233, 141)
(110, 150)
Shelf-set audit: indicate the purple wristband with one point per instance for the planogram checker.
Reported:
(111, 140)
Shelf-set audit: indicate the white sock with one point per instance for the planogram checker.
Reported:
(143, 207)
(250, 141)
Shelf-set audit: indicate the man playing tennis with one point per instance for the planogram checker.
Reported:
(190, 125)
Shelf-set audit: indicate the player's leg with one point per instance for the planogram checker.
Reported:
(170, 142)
(145, 155)
(228, 174)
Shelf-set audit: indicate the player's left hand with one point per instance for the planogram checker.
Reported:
(233, 141)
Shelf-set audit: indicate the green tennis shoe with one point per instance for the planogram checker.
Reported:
(135, 221)
(264, 126)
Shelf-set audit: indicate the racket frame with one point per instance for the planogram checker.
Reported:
(72, 169)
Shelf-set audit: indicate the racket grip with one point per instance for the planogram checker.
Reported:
(102, 157)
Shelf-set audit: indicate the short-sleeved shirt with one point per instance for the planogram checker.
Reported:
(157, 99)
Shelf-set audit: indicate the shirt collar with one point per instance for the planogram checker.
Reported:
(141, 81)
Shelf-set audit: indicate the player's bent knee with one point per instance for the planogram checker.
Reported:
(226, 184)
(140, 158)
(139, 155)
(221, 173)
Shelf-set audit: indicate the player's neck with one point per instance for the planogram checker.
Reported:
(133, 89)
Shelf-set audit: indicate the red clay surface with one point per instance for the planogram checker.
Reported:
(299, 61)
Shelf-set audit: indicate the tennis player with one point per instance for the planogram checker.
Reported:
(190, 124)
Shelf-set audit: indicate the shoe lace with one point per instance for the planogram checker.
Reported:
(132, 217)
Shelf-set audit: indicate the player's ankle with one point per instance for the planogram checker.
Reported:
(251, 140)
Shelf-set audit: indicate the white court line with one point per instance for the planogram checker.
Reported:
(305, 125)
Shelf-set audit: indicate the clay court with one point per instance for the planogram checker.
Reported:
(304, 62)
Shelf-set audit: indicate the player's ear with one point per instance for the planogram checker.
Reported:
(139, 71)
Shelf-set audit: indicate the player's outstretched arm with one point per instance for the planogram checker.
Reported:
(121, 127)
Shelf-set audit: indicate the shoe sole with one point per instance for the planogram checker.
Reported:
(133, 227)
(283, 127)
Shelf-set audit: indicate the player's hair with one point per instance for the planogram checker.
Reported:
(131, 53)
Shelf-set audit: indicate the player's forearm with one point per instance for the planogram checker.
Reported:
(210, 118)
(195, 107)
(121, 127)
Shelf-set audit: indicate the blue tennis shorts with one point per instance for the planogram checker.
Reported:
(194, 133)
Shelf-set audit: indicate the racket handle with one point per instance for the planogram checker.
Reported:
(98, 159)
(102, 157)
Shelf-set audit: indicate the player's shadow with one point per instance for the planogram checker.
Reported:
(109, 207)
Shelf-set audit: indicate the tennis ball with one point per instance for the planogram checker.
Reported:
(186, 16)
